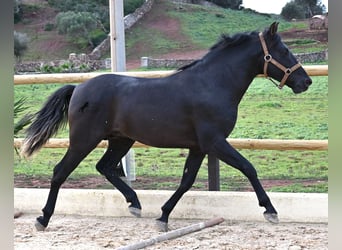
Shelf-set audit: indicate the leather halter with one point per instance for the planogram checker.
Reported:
(269, 59)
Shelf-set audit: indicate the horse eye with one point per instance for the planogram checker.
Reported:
(286, 52)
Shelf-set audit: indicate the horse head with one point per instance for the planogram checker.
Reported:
(279, 63)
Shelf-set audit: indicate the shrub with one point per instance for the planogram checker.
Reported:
(18, 12)
(20, 44)
(97, 36)
(131, 5)
(49, 27)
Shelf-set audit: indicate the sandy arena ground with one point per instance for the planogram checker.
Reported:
(80, 232)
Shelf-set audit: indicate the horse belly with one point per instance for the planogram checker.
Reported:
(167, 140)
(169, 132)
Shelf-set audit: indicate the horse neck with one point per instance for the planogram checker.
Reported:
(236, 68)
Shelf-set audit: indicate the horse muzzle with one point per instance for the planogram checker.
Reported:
(302, 86)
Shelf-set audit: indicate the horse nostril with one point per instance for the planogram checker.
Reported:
(308, 82)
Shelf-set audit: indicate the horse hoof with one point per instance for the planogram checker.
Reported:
(162, 226)
(18, 214)
(39, 226)
(271, 217)
(135, 211)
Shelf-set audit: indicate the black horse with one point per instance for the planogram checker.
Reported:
(194, 108)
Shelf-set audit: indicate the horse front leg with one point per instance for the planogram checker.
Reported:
(192, 165)
(225, 152)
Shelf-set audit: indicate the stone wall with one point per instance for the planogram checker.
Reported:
(149, 62)
(312, 57)
(176, 63)
(199, 2)
(132, 18)
(82, 63)
(75, 64)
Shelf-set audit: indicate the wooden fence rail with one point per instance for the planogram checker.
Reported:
(265, 144)
(312, 70)
(213, 163)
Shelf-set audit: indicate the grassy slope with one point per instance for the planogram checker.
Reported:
(199, 28)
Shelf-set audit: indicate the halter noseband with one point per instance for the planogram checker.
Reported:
(269, 59)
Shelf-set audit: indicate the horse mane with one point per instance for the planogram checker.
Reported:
(225, 41)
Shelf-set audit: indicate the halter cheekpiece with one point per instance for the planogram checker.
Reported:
(269, 59)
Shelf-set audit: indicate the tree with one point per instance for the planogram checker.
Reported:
(76, 24)
(228, 4)
(311, 7)
(20, 44)
(87, 21)
(98, 8)
(292, 11)
(300, 9)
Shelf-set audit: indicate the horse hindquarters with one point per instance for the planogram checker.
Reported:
(83, 138)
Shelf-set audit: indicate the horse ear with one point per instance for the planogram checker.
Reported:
(273, 28)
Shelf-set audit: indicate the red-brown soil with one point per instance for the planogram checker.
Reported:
(143, 182)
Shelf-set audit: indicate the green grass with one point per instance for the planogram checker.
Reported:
(314, 188)
(265, 112)
(215, 21)
(305, 45)
(155, 42)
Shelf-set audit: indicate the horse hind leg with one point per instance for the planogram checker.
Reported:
(192, 165)
(62, 170)
(117, 148)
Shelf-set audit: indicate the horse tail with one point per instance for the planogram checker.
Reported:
(48, 120)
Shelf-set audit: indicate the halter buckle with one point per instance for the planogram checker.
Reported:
(288, 71)
(268, 58)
